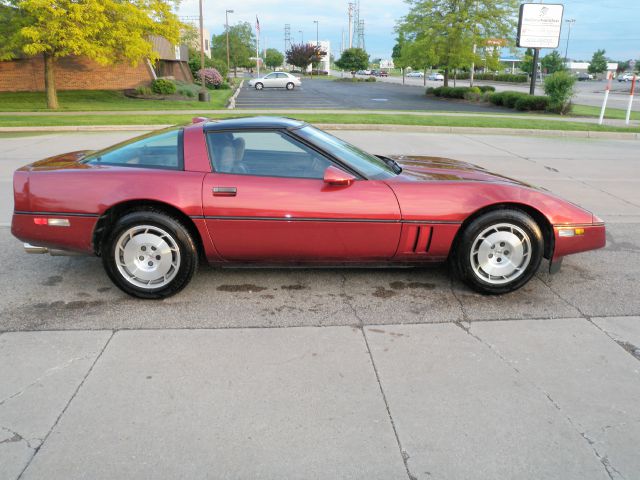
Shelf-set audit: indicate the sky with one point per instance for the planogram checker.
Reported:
(608, 24)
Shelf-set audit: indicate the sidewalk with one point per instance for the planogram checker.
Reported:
(510, 399)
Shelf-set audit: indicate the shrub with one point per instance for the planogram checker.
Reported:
(162, 86)
(509, 99)
(212, 78)
(559, 88)
(144, 91)
(186, 92)
(486, 96)
(430, 91)
(532, 103)
(487, 88)
(224, 86)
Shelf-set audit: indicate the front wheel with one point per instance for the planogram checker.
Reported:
(290, 86)
(499, 251)
(149, 254)
(259, 86)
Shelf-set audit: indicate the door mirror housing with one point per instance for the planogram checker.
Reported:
(336, 177)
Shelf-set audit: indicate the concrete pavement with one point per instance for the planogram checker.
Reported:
(332, 373)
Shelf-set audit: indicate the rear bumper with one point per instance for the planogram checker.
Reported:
(593, 237)
(76, 237)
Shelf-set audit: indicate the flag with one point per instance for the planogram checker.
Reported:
(257, 25)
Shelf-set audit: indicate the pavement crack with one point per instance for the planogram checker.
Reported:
(562, 299)
(403, 453)
(465, 317)
(610, 469)
(15, 437)
(347, 300)
(48, 373)
(628, 347)
(84, 379)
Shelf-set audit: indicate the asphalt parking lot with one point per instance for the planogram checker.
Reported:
(330, 94)
(333, 373)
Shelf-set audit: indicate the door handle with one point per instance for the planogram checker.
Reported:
(224, 191)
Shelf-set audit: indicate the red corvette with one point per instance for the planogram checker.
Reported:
(279, 191)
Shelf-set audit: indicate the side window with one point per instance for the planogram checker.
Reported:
(271, 75)
(160, 150)
(264, 153)
(282, 75)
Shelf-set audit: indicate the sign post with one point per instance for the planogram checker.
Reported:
(633, 86)
(606, 97)
(539, 26)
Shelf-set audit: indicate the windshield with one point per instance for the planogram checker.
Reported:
(368, 165)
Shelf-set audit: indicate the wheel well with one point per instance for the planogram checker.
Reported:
(111, 215)
(537, 215)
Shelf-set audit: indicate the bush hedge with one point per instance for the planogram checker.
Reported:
(162, 86)
(520, 101)
(500, 77)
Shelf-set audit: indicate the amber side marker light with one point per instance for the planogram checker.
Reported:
(52, 222)
(570, 232)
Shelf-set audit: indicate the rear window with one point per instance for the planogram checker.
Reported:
(161, 149)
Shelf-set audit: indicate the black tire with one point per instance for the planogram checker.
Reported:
(258, 86)
(185, 255)
(468, 251)
(290, 86)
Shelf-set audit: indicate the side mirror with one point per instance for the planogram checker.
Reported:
(336, 177)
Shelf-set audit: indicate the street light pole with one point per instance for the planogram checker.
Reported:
(226, 15)
(317, 41)
(301, 37)
(203, 96)
(569, 21)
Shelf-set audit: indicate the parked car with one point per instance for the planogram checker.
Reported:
(581, 76)
(363, 72)
(383, 73)
(415, 75)
(436, 76)
(626, 77)
(277, 80)
(268, 190)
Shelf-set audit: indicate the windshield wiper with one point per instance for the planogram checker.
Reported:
(395, 166)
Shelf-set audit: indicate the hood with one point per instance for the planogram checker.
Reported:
(60, 162)
(420, 168)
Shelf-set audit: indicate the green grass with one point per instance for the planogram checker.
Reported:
(100, 100)
(440, 120)
(614, 113)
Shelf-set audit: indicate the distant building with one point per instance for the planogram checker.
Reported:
(583, 67)
(195, 43)
(325, 60)
(26, 74)
(386, 64)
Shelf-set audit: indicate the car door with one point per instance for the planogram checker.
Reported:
(283, 79)
(271, 80)
(273, 205)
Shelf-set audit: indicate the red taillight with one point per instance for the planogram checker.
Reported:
(40, 221)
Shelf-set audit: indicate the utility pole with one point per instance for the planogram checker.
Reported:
(301, 37)
(203, 96)
(226, 14)
(534, 71)
(570, 21)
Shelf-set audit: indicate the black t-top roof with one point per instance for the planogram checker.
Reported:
(252, 123)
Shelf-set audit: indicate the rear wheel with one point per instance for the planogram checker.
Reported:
(290, 86)
(259, 86)
(149, 254)
(499, 251)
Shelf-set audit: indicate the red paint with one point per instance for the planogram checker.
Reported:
(413, 217)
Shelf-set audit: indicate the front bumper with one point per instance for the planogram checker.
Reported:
(569, 239)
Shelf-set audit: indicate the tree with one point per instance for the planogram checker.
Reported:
(559, 88)
(352, 60)
(273, 58)
(106, 31)
(242, 47)
(302, 55)
(195, 66)
(400, 61)
(527, 61)
(598, 62)
(622, 67)
(552, 62)
(453, 27)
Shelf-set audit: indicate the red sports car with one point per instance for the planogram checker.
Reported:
(279, 191)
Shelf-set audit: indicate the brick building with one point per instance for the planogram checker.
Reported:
(81, 73)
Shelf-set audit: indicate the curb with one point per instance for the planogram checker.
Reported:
(361, 127)
(232, 101)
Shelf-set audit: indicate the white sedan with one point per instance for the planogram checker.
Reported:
(436, 76)
(415, 74)
(276, 80)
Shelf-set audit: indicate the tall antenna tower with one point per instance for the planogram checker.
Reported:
(360, 37)
(356, 23)
(350, 23)
(287, 37)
